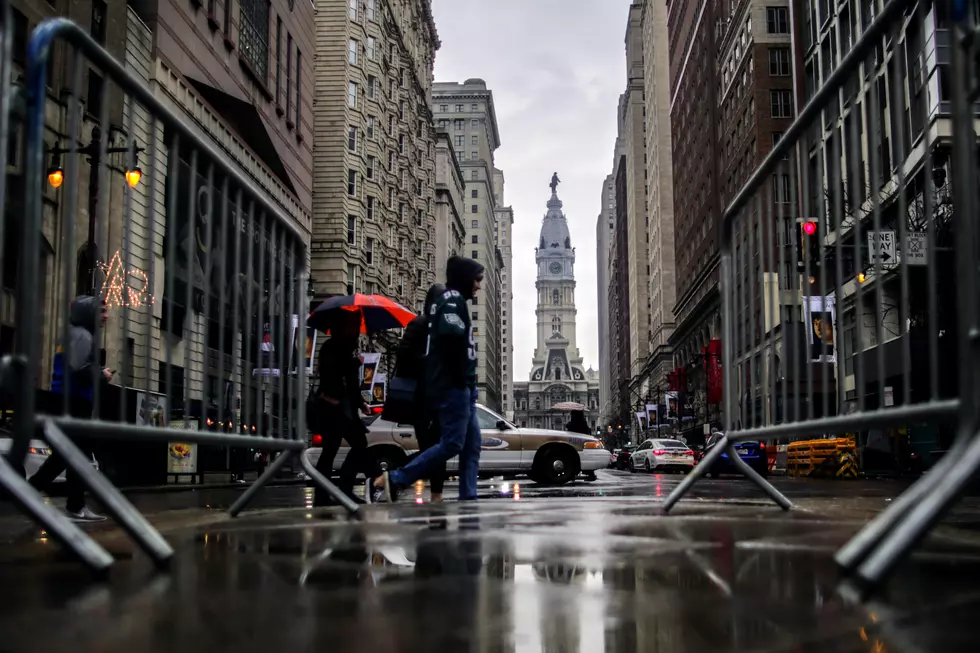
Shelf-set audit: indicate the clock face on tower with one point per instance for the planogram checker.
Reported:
(555, 268)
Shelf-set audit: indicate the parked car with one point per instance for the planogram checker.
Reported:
(752, 452)
(37, 453)
(548, 457)
(661, 454)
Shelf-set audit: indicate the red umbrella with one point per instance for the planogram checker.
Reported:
(378, 312)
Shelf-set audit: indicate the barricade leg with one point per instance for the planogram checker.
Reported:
(57, 525)
(699, 471)
(753, 476)
(858, 547)
(147, 537)
(254, 488)
(920, 520)
(332, 489)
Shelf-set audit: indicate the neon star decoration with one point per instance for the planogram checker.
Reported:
(118, 288)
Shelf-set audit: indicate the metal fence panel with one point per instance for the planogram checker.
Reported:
(205, 289)
(849, 264)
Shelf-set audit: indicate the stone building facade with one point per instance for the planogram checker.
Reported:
(374, 165)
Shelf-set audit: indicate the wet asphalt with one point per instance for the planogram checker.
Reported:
(588, 567)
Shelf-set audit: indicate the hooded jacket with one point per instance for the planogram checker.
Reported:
(410, 357)
(80, 363)
(450, 362)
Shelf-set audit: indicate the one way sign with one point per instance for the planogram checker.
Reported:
(881, 247)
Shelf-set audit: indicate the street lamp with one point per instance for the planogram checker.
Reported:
(56, 177)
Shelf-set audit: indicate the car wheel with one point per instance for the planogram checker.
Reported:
(557, 465)
(394, 457)
(646, 466)
(632, 467)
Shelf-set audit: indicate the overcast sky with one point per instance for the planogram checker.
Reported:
(556, 69)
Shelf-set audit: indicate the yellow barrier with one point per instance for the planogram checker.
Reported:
(832, 457)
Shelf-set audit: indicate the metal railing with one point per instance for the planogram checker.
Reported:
(206, 291)
(849, 268)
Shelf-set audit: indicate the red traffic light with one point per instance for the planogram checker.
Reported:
(809, 228)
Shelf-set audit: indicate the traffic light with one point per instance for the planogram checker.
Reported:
(808, 255)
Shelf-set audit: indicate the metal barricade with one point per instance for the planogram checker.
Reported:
(849, 267)
(208, 279)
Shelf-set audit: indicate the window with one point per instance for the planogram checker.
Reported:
(352, 183)
(443, 123)
(352, 139)
(474, 224)
(391, 197)
(372, 122)
(476, 316)
(474, 140)
(476, 239)
(299, 86)
(476, 255)
(775, 139)
(95, 86)
(474, 156)
(475, 301)
(443, 108)
(401, 211)
(458, 125)
(370, 166)
(352, 95)
(401, 143)
(372, 48)
(289, 73)
(403, 248)
(351, 279)
(782, 104)
(371, 7)
(369, 251)
(352, 52)
(253, 36)
(370, 208)
(781, 187)
(98, 21)
(779, 61)
(352, 4)
(474, 175)
(777, 20)
(474, 209)
(372, 86)
(278, 55)
(474, 108)
(475, 123)
(459, 141)
(475, 193)
(459, 109)
(351, 230)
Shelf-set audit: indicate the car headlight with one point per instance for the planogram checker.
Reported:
(593, 445)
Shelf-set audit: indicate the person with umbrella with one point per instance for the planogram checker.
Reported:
(338, 400)
(450, 375)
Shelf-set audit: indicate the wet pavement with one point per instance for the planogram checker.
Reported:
(592, 567)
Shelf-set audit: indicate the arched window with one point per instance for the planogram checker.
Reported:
(537, 403)
(555, 297)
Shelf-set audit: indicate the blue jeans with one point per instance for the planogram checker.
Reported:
(460, 436)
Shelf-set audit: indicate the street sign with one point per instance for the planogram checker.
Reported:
(916, 250)
(881, 247)
(889, 396)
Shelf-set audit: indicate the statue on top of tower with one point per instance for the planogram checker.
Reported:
(554, 182)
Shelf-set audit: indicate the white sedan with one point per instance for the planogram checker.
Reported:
(661, 454)
(37, 453)
(548, 457)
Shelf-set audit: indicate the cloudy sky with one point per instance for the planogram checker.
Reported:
(556, 69)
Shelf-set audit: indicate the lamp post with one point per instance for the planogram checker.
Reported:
(56, 176)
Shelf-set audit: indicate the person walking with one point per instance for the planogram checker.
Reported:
(410, 364)
(75, 367)
(338, 402)
(450, 380)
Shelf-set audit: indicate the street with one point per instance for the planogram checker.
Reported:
(586, 567)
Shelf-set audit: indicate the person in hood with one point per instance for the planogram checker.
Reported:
(578, 424)
(76, 366)
(450, 387)
(410, 364)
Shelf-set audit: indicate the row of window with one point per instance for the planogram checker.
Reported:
(460, 108)
(253, 37)
(458, 125)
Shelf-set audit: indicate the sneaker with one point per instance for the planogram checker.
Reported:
(387, 493)
(85, 515)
